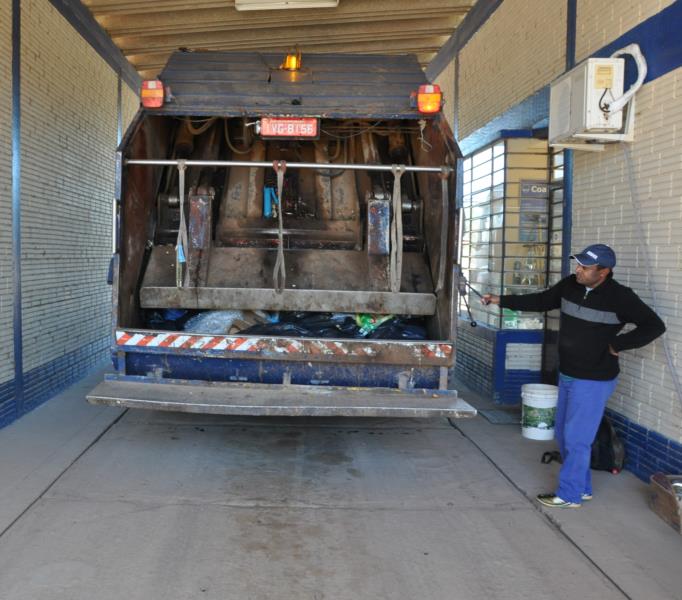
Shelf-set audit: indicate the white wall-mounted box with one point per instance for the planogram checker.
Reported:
(578, 99)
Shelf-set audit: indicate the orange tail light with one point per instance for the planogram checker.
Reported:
(429, 99)
(152, 93)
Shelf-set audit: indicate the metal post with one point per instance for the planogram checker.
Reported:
(16, 206)
(567, 217)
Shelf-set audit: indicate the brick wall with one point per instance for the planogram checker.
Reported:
(475, 357)
(603, 211)
(130, 103)
(602, 21)
(446, 81)
(500, 75)
(68, 136)
(6, 278)
(517, 51)
(69, 126)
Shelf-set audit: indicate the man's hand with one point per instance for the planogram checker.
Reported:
(490, 299)
(612, 351)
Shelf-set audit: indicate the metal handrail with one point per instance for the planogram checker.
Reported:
(290, 165)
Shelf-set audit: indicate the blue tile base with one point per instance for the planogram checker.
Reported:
(647, 451)
(46, 381)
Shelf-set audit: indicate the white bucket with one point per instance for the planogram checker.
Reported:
(538, 410)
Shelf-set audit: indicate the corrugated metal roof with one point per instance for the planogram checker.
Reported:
(328, 85)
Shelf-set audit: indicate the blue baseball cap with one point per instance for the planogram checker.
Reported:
(596, 254)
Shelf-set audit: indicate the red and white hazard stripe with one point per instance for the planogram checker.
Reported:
(270, 345)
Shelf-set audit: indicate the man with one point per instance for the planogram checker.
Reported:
(594, 309)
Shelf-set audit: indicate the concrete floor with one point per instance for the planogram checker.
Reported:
(97, 503)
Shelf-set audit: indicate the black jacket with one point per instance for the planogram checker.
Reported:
(590, 322)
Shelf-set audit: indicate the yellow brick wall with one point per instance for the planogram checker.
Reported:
(69, 126)
(517, 51)
(446, 81)
(130, 102)
(6, 278)
(602, 212)
(599, 22)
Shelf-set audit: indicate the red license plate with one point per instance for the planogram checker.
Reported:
(303, 127)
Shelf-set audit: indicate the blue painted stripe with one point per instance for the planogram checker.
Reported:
(516, 133)
(659, 39)
(119, 108)
(175, 366)
(479, 14)
(84, 23)
(571, 28)
(16, 206)
(661, 44)
(8, 407)
(527, 114)
(46, 381)
(567, 209)
(647, 451)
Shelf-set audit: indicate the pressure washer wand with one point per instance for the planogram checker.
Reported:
(462, 285)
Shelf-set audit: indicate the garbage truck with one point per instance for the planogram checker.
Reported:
(286, 229)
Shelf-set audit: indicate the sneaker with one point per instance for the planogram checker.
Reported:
(586, 496)
(553, 501)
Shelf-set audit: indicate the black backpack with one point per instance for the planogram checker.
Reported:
(608, 452)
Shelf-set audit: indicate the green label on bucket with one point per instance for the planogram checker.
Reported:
(540, 418)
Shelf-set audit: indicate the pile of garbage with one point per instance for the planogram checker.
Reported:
(291, 324)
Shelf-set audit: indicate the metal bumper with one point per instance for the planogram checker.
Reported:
(277, 400)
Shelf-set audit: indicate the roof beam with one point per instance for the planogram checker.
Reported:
(93, 33)
(301, 36)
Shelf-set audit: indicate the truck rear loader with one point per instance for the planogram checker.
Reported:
(310, 203)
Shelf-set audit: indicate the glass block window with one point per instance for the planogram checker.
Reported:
(556, 204)
(505, 227)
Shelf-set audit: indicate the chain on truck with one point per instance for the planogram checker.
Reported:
(304, 208)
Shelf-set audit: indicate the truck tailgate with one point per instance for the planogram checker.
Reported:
(278, 399)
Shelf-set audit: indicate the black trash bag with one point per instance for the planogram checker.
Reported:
(400, 329)
(314, 325)
(169, 319)
(281, 328)
(339, 325)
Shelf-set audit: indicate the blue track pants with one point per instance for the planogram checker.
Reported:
(579, 411)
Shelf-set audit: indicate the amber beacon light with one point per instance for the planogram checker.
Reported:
(152, 93)
(292, 61)
(429, 99)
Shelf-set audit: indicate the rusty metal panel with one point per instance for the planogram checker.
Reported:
(200, 228)
(378, 243)
(317, 280)
(243, 192)
(336, 190)
(208, 298)
(414, 353)
(323, 184)
(333, 85)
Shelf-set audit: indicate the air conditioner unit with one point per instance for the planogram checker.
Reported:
(587, 106)
(280, 4)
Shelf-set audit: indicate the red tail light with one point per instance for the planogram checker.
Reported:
(152, 93)
(429, 99)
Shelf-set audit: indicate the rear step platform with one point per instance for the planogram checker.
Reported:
(279, 400)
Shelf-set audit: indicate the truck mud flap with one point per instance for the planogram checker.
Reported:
(277, 400)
